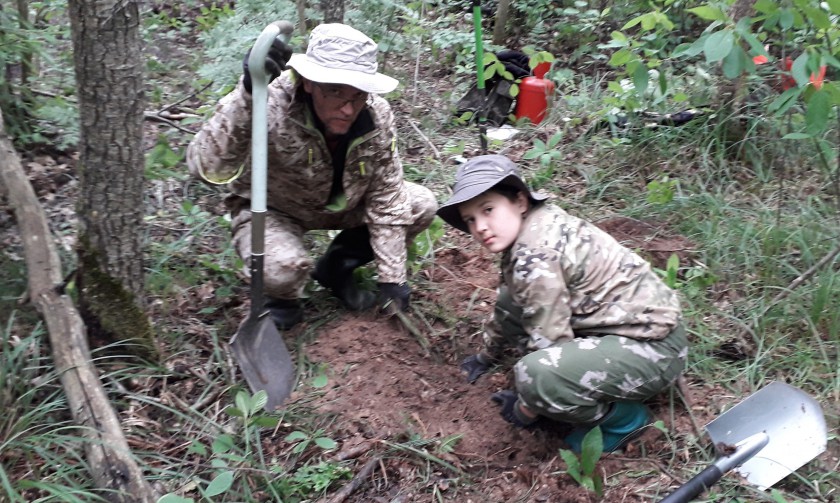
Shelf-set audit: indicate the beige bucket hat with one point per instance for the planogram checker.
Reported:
(477, 176)
(339, 54)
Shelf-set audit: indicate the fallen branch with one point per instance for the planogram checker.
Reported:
(356, 482)
(409, 325)
(112, 465)
(426, 139)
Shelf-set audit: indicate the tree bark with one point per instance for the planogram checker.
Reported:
(502, 15)
(109, 81)
(112, 465)
(301, 12)
(333, 11)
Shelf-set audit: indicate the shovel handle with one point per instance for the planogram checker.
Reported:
(259, 152)
(743, 451)
(259, 101)
(691, 489)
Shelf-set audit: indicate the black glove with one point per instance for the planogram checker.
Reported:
(400, 293)
(475, 366)
(278, 55)
(510, 409)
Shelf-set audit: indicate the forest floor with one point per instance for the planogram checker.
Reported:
(386, 386)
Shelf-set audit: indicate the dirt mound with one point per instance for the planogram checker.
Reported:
(386, 388)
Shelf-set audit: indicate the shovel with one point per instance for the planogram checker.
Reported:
(258, 347)
(766, 437)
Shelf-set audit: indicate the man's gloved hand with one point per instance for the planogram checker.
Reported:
(475, 366)
(398, 293)
(510, 409)
(278, 55)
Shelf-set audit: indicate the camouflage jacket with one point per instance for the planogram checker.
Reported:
(573, 279)
(300, 168)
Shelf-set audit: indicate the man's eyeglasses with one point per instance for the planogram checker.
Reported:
(336, 96)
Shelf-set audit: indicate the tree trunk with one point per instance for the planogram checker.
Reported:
(502, 15)
(26, 57)
(111, 464)
(301, 12)
(333, 11)
(109, 81)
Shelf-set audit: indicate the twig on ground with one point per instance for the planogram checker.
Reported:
(353, 452)
(409, 325)
(151, 116)
(426, 139)
(356, 482)
(805, 276)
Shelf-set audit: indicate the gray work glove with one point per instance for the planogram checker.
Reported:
(278, 55)
(475, 366)
(509, 401)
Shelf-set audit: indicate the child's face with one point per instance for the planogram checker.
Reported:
(494, 220)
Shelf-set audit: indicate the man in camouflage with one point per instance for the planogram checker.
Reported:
(332, 164)
(600, 329)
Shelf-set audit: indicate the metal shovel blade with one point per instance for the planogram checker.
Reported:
(264, 360)
(792, 420)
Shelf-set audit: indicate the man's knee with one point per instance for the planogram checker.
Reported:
(285, 276)
(423, 208)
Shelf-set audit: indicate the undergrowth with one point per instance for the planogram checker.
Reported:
(759, 208)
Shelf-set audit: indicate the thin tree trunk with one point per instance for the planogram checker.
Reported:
(333, 11)
(502, 15)
(301, 12)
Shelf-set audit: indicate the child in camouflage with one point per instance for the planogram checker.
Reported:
(600, 331)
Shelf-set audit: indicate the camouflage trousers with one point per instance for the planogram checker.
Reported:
(287, 262)
(575, 381)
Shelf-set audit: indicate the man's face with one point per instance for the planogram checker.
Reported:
(337, 105)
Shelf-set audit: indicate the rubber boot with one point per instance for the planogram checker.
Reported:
(334, 270)
(621, 424)
(285, 313)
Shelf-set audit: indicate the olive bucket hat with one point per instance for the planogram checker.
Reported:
(478, 175)
(339, 54)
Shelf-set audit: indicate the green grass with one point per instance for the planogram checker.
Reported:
(759, 210)
(41, 450)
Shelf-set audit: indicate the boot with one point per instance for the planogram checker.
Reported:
(334, 270)
(621, 424)
(285, 313)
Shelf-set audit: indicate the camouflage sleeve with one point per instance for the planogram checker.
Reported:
(219, 150)
(540, 287)
(495, 339)
(388, 208)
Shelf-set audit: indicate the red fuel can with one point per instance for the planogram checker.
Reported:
(535, 95)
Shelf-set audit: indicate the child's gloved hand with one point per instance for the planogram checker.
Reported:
(510, 409)
(475, 366)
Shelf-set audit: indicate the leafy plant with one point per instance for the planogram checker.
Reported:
(583, 468)
(304, 439)
(210, 16)
(311, 479)
(423, 246)
(661, 191)
(162, 161)
(548, 153)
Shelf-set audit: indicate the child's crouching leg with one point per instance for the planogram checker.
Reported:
(575, 382)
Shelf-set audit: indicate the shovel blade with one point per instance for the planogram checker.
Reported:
(264, 360)
(792, 420)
